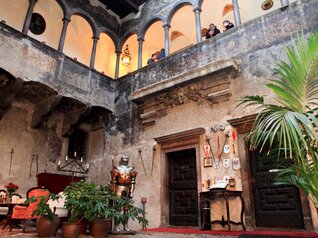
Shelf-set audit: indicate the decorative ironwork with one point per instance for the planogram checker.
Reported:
(126, 56)
(74, 165)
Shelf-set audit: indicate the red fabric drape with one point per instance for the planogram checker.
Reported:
(56, 182)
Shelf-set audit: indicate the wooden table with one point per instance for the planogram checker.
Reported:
(206, 197)
(10, 207)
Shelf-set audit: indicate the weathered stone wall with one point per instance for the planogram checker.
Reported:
(257, 45)
(32, 61)
(16, 134)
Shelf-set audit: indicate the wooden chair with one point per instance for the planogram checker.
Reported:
(3, 210)
(17, 198)
(24, 213)
(57, 206)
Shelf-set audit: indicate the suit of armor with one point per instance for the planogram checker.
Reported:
(123, 184)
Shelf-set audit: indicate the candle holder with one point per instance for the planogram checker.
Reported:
(74, 165)
(143, 202)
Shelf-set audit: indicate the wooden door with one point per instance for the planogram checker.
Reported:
(274, 206)
(183, 193)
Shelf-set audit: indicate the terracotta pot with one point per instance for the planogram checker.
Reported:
(47, 227)
(84, 227)
(71, 230)
(100, 228)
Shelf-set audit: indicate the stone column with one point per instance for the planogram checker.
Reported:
(28, 16)
(140, 41)
(93, 55)
(117, 63)
(167, 43)
(198, 23)
(236, 12)
(63, 33)
(284, 2)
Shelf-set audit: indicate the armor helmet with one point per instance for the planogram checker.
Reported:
(124, 160)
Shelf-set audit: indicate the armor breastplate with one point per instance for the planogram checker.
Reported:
(124, 176)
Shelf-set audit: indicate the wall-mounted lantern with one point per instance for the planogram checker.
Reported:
(126, 56)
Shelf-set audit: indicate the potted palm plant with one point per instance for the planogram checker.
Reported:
(290, 125)
(47, 223)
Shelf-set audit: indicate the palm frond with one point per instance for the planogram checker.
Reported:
(290, 127)
(251, 101)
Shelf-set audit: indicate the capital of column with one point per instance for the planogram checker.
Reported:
(140, 39)
(95, 38)
(118, 52)
(166, 26)
(197, 10)
(33, 1)
(66, 19)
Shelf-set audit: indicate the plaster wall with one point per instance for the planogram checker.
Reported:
(257, 45)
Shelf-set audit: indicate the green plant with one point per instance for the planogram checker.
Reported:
(77, 199)
(290, 125)
(42, 207)
(99, 205)
(122, 204)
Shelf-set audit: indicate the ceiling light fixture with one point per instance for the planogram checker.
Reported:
(126, 56)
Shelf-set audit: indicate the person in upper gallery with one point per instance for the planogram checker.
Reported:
(152, 59)
(162, 54)
(227, 25)
(213, 31)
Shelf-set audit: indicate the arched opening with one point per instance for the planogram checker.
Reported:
(216, 11)
(154, 41)
(133, 49)
(253, 9)
(78, 41)
(105, 60)
(13, 12)
(183, 30)
(52, 13)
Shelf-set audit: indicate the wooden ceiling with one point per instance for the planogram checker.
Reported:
(123, 7)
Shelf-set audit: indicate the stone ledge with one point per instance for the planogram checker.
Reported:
(222, 65)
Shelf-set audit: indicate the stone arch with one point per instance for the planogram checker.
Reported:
(149, 23)
(182, 35)
(154, 40)
(175, 7)
(64, 7)
(130, 39)
(79, 38)
(125, 37)
(199, 3)
(87, 17)
(105, 56)
(110, 33)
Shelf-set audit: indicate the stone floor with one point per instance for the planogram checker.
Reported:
(29, 234)
(18, 234)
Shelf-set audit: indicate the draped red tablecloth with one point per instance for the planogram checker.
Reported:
(56, 182)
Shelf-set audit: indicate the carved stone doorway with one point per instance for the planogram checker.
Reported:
(180, 152)
(183, 192)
